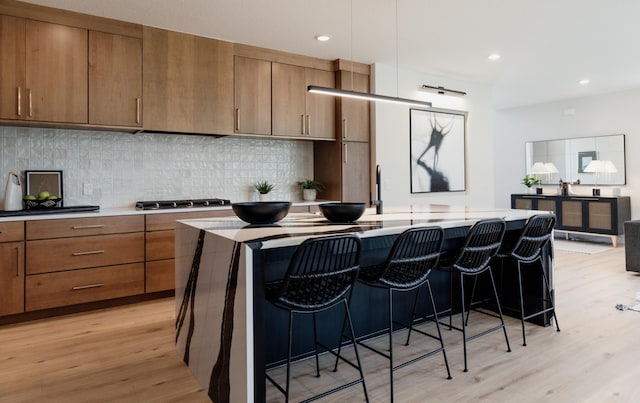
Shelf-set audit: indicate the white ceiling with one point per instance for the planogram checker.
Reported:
(547, 46)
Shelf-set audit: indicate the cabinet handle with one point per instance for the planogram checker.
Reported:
(237, 119)
(137, 110)
(84, 287)
(88, 226)
(91, 252)
(304, 129)
(344, 128)
(17, 262)
(19, 101)
(346, 153)
(30, 98)
(308, 125)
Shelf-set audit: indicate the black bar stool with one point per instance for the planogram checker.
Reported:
(481, 244)
(528, 250)
(414, 253)
(320, 276)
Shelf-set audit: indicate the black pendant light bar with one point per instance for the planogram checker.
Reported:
(366, 96)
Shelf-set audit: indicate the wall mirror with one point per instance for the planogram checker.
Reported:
(571, 159)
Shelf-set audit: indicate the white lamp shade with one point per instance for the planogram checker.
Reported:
(551, 168)
(594, 166)
(539, 168)
(609, 167)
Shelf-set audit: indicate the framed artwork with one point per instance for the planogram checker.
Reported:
(44, 181)
(584, 158)
(438, 158)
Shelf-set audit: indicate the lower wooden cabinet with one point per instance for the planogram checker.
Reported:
(49, 255)
(160, 275)
(50, 290)
(12, 278)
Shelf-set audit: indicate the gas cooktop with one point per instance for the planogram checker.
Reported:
(168, 204)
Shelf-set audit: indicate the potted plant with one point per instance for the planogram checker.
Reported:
(263, 188)
(530, 181)
(310, 189)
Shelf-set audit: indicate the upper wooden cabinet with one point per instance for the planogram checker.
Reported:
(188, 83)
(44, 71)
(252, 89)
(354, 113)
(297, 112)
(115, 79)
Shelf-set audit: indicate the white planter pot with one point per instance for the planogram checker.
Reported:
(263, 196)
(309, 194)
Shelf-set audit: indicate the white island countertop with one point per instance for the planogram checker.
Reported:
(298, 226)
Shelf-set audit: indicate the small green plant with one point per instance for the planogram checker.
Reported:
(310, 184)
(529, 180)
(264, 187)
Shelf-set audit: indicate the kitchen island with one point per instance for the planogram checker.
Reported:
(221, 263)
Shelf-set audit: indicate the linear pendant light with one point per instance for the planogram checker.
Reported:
(366, 96)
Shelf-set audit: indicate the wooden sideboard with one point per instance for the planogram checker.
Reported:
(594, 215)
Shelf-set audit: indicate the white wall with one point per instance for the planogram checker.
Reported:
(613, 113)
(391, 128)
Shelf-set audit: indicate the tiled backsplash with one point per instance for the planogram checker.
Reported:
(123, 168)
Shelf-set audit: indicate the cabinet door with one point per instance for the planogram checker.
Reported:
(571, 216)
(56, 73)
(12, 278)
(115, 79)
(187, 83)
(288, 98)
(252, 81)
(355, 172)
(600, 215)
(354, 112)
(321, 109)
(12, 68)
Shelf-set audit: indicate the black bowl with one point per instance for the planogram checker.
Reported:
(261, 212)
(342, 212)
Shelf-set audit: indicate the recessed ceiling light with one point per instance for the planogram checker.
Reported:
(323, 38)
(584, 81)
(494, 56)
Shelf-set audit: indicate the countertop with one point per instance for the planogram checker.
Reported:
(106, 212)
(298, 226)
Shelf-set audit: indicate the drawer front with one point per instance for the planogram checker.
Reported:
(160, 275)
(11, 231)
(70, 227)
(160, 245)
(76, 253)
(78, 286)
(159, 222)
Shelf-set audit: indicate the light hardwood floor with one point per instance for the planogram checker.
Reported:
(126, 354)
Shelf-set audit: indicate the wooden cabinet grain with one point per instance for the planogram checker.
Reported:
(354, 113)
(12, 278)
(296, 112)
(188, 83)
(11, 267)
(115, 79)
(44, 71)
(160, 246)
(344, 166)
(252, 95)
(77, 260)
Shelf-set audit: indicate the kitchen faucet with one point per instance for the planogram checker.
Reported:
(378, 202)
